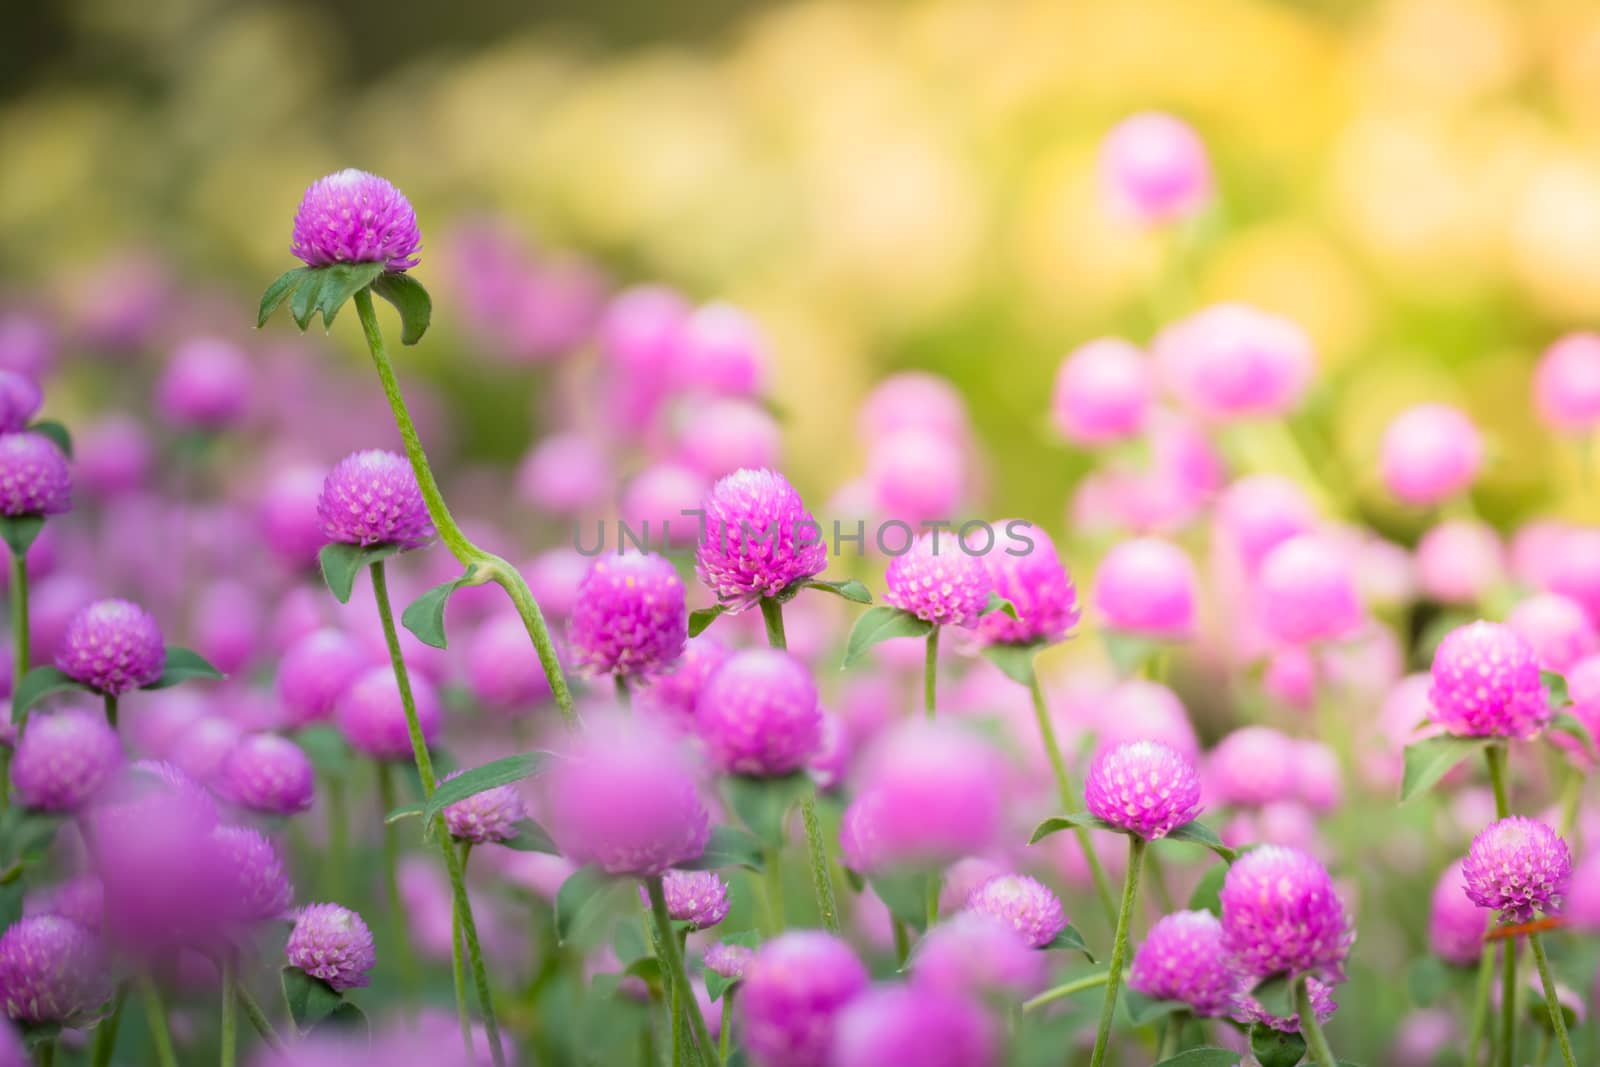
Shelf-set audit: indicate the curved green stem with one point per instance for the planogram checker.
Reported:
(1310, 1029)
(156, 1017)
(680, 978)
(230, 1015)
(1558, 1021)
(1077, 985)
(1119, 949)
(1058, 767)
(930, 674)
(257, 1017)
(450, 532)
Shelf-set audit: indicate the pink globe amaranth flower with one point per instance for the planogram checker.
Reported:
(114, 455)
(1258, 513)
(759, 715)
(927, 1027)
(499, 672)
(639, 331)
(624, 797)
(1153, 167)
(831, 761)
(207, 385)
(268, 774)
(34, 479)
(1030, 906)
(725, 434)
(1456, 926)
(51, 971)
(373, 719)
(331, 942)
(720, 349)
(314, 673)
(939, 583)
(81, 899)
(1430, 453)
(929, 794)
(1147, 586)
(728, 959)
(1248, 1010)
(260, 886)
(658, 502)
(1582, 905)
(355, 217)
(112, 646)
(913, 400)
(1319, 781)
(1233, 361)
(1307, 593)
(699, 898)
(1557, 629)
(1486, 683)
(1251, 767)
(916, 477)
(489, 816)
(976, 954)
(1281, 915)
(1583, 686)
(1517, 867)
(228, 620)
(1144, 788)
(1183, 958)
(28, 343)
(631, 617)
(1103, 392)
(793, 992)
(1291, 677)
(757, 539)
(1566, 384)
(1028, 572)
(566, 473)
(372, 498)
(1140, 710)
(64, 759)
(1460, 561)
(1422, 1037)
(671, 696)
(1573, 568)
(289, 521)
(20, 398)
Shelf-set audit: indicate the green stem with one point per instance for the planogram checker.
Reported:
(772, 615)
(902, 940)
(772, 865)
(624, 697)
(111, 709)
(1119, 949)
(935, 883)
(450, 532)
(675, 1005)
(1508, 1005)
(1077, 985)
(1558, 1021)
(1172, 1036)
(387, 802)
(1571, 801)
(1064, 796)
(105, 1034)
(1310, 1029)
(930, 673)
(1495, 756)
(19, 640)
(469, 935)
(669, 945)
(230, 1015)
(156, 1017)
(725, 1035)
(257, 1017)
(402, 679)
(44, 1053)
(458, 971)
(1480, 1005)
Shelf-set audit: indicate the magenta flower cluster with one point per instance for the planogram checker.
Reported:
(372, 498)
(757, 538)
(1145, 788)
(355, 217)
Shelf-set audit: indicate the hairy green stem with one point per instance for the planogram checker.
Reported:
(1480, 1005)
(458, 972)
(1058, 767)
(930, 673)
(725, 1035)
(1119, 949)
(156, 1017)
(19, 642)
(387, 801)
(674, 959)
(1495, 757)
(1558, 1021)
(1077, 985)
(230, 1015)
(105, 1033)
(257, 1017)
(1310, 1029)
(772, 615)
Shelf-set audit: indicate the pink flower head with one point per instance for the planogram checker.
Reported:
(1566, 384)
(1460, 561)
(1281, 915)
(719, 436)
(289, 521)
(373, 719)
(115, 454)
(914, 400)
(269, 774)
(1517, 867)
(758, 539)
(1144, 788)
(977, 954)
(728, 959)
(1486, 683)
(565, 473)
(916, 476)
(207, 385)
(64, 759)
(1430, 453)
(490, 816)
(315, 671)
(927, 1027)
(1233, 361)
(660, 501)
(1153, 166)
(699, 898)
(28, 343)
(20, 398)
(673, 695)
(34, 479)
(1258, 513)
(1103, 392)
(51, 971)
(1252, 767)
(372, 498)
(758, 714)
(81, 899)
(793, 992)
(1147, 586)
(721, 350)
(332, 943)
(623, 797)
(355, 217)
(1139, 710)
(1183, 958)
(499, 671)
(630, 618)
(1572, 569)
(1455, 924)
(1557, 629)
(1028, 572)
(112, 646)
(1307, 593)
(939, 582)
(259, 886)
(1318, 777)
(1027, 904)
(1583, 686)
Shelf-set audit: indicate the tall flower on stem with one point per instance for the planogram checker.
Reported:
(943, 585)
(630, 620)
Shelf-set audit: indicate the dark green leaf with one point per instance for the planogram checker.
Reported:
(646, 967)
(1430, 760)
(303, 303)
(183, 665)
(1014, 661)
(343, 281)
(1555, 690)
(998, 603)
(1057, 823)
(1570, 724)
(578, 900)
(763, 804)
(411, 300)
(1070, 940)
(1142, 1010)
(905, 894)
(347, 1018)
(424, 616)
(278, 292)
(1207, 895)
(531, 837)
(881, 624)
(849, 588)
(1275, 1048)
(729, 847)
(20, 531)
(58, 434)
(699, 620)
(329, 752)
(496, 773)
(310, 1000)
(1201, 834)
(38, 684)
(1276, 995)
(341, 563)
(1202, 1057)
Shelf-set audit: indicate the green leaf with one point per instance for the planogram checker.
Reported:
(327, 748)
(184, 665)
(905, 894)
(1207, 895)
(579, 900)
(1276, 995)
(699, 620)
(411, 300)
(1570, 724)
(303, 304)
(1202, 1057)
(495, 773)
(424, 616)
(531, 837)
(1200, 834)
(347, 1018)
(341, 563)
(1070, 940)
(1014, 661)
(849, 588)
(20, 531)
(403, 812)
(627, 941)
(880, 624)
(763, 804)
(58, 434)
(1143, 1010)
(716, 985)
(729, 847)
(998, 603)
(38, 684)
(310, 999)
(1430, 760)
(343, 281)
(1057, 823)
(1555, 690)
(278, 292)
(1276, 1049)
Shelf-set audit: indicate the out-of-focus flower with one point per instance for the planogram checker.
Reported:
(656, 503)
(758, 714)
(1252, 767)
(1139, 710)
(672, 695)
(1583, 686)
(114, 455)
(1281, 915)
(1460, 561)
(1030, 574)
(913, 400)
(565, 473)
(259, 886)
(64, 759)
(699, 898)
(1557, 629)
(20, 398)
(289, 521)
(916, 477)
(373, 719)
(927, 1027)
(1153, 166)
(314, 673)
(372, 498)
(1517, 867)
(1486, 683)
(631, 618)
(726, 434)
(720, 349)
(488, 816)
(757, 539)
(332, 943)
(1103, 392)
(978, 954)
(268, 773)
(1430, 453)
(499, 671)
(207, 385)
(1307, 593)
(1144, 788)
(1027, 904)
(1455, 924)
(112, 646)
(1258, 513)
(1146, 586)
(1183, 958)
(1233, 361)
(51, 971)
(34, 479)
(355, 217)
(1566, 385)
(792, 995)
